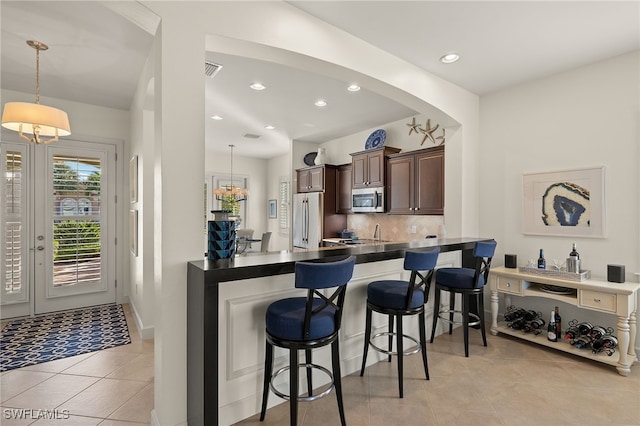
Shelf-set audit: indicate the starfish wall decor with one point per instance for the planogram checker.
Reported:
(427, 131)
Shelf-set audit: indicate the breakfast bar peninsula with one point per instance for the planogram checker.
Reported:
(226, 304)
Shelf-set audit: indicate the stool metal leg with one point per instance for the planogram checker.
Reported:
(465, 322)
(307, 357)
(436, 312)
(390, 336)
(337, 378)
(293, 386)
(452, 307)
(400, 347)
(481, 315)
(268, 368)
(423, 343)
(367, 336)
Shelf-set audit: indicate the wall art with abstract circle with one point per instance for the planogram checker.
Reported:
(565, 203)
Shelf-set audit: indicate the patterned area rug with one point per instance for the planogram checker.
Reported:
(30, 341)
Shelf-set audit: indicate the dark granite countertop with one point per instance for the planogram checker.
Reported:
(276, 263)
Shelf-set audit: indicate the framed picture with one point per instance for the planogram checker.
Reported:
(565, 203)
(133, 179)
(273, 209)
(133, 232)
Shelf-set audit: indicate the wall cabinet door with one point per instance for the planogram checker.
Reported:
(360, 173)
(400, 185)
(343, 185)
(429, 185)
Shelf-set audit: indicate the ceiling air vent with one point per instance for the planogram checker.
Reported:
(211, 69)
(251, 136)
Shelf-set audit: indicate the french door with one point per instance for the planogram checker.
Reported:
(58, 226)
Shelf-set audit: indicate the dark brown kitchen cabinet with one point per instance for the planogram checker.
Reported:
(312, 179)
(369, 167)
(415, 182)
(343, 185)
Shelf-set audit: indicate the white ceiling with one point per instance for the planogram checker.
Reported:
(96, 56)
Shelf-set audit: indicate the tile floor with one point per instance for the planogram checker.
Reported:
(508, 383)
(113, 387)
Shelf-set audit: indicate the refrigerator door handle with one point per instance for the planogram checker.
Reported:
(306, 221)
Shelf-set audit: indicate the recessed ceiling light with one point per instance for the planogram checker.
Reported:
(320, 103)
(216, 117)
(269, 127)
(450, 58)
(258, 86)
(353, 88)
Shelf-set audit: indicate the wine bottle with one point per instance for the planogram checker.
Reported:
(574, 252)
(542, 264)
(558, 323)
(551, 330)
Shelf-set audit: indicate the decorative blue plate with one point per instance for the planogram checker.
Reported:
(376, 139)
(310, 158)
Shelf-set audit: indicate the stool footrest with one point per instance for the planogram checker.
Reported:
(323, 393)
(408, 351)
(456, 322)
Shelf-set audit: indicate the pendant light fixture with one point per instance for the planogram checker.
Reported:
(33, 118)
(230, 192)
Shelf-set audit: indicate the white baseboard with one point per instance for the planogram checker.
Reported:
(145, 332)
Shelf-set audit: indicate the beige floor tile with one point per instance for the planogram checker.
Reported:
(59, 365)
(139, 368)
(138, 347)
(103, 397)
(68, 420)
(17, 381)
(51, 393)
(109, 422)
(138, 408)
(101, 364)
(15, 417)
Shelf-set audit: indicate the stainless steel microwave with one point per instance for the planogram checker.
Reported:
(367, 200)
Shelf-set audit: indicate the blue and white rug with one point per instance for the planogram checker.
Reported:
(30, 341)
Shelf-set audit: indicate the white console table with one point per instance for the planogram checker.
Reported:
(620, 299)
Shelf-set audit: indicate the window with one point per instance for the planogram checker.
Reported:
(284, 204)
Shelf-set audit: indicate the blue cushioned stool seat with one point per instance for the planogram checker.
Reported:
(399, 298)
(393, 294)
(285, 319)
(458, 277)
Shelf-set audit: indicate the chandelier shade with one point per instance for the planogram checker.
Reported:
(231, 194)
(25, 117)
(33, 118)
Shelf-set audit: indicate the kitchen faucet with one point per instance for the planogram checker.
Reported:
(377, 232)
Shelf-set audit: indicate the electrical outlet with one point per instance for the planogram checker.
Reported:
(414, 229)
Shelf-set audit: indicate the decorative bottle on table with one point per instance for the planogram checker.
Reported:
(552, 335)
(558, 324)
(542, 263)
(573, 263)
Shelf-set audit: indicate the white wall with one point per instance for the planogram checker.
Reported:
(279, 168)
(584, 117)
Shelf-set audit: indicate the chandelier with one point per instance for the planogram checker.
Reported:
(33, 118)
(230, 192)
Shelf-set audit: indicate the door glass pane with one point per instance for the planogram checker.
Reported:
(76, 214)
(13, 225)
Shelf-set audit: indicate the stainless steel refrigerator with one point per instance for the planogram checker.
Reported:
(308, 212)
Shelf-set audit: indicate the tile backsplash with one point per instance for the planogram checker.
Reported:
(396, 227)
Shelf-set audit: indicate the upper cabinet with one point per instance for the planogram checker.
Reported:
(343, 185)
(314, 178)
(368, 167)
(415, 182)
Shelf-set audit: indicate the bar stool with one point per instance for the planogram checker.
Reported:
(305, 323)
(397, 298)
(468, 283)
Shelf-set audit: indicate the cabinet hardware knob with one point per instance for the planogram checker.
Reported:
(596, 300)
